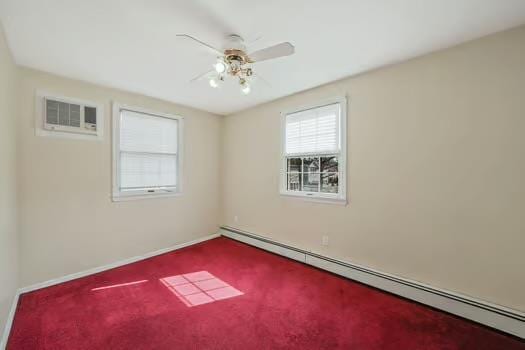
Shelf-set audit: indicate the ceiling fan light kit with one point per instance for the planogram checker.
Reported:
(220, 67)
(245, 88)
(213, 83)
(233, 61)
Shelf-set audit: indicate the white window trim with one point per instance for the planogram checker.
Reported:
(42, 95)
(341, 197)
(117, 195)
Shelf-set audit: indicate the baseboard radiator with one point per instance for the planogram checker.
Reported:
(495, 316)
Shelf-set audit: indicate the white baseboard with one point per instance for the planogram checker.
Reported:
(88, 272)
(9, 321)
(496, 316)
(112, 265)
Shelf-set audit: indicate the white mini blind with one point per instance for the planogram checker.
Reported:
(313, 131)
(148, 151)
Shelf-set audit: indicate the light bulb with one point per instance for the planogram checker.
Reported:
(246, 88)
(220, 67)
(213, 83)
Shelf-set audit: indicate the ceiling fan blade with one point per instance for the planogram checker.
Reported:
(214, 49)
(279, 50)
(200, 76)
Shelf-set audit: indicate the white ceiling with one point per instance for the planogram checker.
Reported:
(131, 44)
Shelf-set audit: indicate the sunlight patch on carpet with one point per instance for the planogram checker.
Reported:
(199, 288)
(119, 285)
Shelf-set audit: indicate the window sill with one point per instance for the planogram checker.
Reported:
(132, 197)
(316, 199)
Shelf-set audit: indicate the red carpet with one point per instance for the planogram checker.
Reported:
(222, 294)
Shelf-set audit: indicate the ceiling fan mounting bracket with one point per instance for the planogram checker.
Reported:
(234, 42)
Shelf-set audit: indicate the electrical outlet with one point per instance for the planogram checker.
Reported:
(236, 218)
(325, 240)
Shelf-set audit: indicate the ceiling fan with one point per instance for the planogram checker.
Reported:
(234, 60)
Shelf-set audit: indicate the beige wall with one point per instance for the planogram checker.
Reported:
(436, 169)
(8, 236)
(68, 222)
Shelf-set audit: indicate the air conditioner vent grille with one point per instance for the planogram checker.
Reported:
(62, 113)
(74, 115)
(70, 117)
(51, 112)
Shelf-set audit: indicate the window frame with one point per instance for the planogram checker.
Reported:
(117, 194)
(340, 197)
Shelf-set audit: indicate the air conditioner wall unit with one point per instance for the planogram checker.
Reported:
(68, 117)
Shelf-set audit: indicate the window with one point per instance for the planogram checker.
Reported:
(314, 152)
(146, 153)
